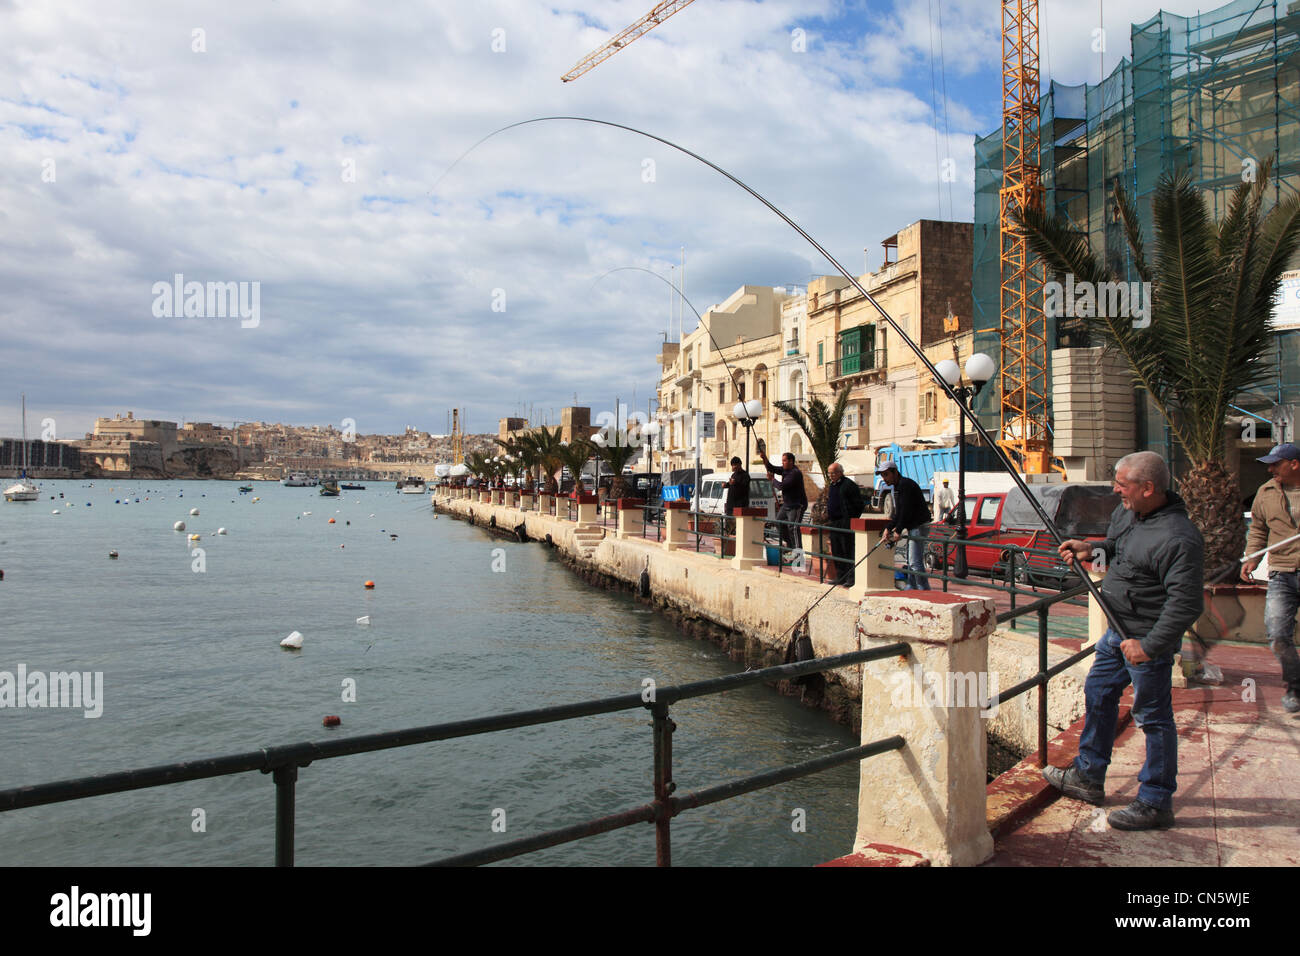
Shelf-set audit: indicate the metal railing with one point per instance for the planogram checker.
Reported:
(1014, 560)
(822, 536)
(284, 762)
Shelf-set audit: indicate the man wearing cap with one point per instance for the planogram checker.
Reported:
(1274, 517)
(944, 502)
(911, 513)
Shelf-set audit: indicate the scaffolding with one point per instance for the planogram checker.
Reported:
(1218, 94)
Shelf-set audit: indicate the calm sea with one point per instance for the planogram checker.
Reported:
(188, 645)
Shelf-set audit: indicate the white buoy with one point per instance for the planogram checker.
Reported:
(365, 621)
(306, 513)
(179, 526)
(293, 642)
(55, 511)
(193, 512)
(221, 531)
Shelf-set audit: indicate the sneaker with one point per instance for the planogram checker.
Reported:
(1140, 816)
(1071, 783)
(1291, 702)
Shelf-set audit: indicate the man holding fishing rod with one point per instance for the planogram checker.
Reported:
(1273, 517)
(1154, 586)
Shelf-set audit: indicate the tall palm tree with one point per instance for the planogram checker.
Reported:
(821, 425)
(546, 446)
(616, 457)
(575, 456)
(1206, 335)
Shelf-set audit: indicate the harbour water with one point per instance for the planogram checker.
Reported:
(186, 635)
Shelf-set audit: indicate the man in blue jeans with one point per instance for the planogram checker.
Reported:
(1274, 520)
(1153, 585)
(911, 513)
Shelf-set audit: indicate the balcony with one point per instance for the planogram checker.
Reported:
(859, 368)
(687, 378)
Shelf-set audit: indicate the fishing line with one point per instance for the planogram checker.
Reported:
(998, 453)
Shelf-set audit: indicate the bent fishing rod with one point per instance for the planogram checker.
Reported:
(948, 390)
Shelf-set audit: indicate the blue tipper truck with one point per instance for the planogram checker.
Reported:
(922, 461)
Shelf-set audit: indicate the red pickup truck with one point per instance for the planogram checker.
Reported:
(995, 520)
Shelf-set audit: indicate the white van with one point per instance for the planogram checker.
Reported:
(713, 493)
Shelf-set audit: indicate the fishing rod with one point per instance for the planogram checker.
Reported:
(949, 390)
(1231, 569)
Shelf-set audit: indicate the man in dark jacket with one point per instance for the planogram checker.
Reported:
(794, 500)
(843, 503)
(911, 513)
(1154, 586)
(737, 488)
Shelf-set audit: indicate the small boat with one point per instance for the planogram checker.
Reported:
(245, 489)
(347, 487)
(298, 480)
(329, 488)
(25, 489)
(411, 486)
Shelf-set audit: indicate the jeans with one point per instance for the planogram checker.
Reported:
(1153, 710)
(790, 533)
(1280, 609)
(916, 562)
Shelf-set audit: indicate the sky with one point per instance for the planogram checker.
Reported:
(331, 162)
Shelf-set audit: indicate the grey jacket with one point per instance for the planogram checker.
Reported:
(1155, 577)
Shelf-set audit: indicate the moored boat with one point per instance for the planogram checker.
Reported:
(25, 489)
(329, 488)
(298, 480)
(347, 487)
(411, 486)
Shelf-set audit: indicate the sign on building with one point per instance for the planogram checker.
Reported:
(708, 425)
(1286, 307)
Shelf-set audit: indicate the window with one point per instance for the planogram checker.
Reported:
(880, 412)
(931, 406)
(762, 391)
(989, 510)
(821, 347)
(902, 411)
(722, 392)
(850, 420)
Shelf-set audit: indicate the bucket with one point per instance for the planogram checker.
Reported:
(773, 555)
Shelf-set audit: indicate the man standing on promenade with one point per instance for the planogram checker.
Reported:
(1154, 586)
(794, 500)
(911, 513)
(944, 502)
(843, 504)
(1274, 517)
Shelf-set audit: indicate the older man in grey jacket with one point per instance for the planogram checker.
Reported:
(1153, 585)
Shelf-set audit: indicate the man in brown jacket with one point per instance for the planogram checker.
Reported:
(1274, 517)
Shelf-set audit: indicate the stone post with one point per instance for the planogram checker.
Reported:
(509, 500)
(869, 576)
(929, 796)
(675, 516)
(526, 501)
(749, 538)
(631, 519)
(546, 504)
(586, 510)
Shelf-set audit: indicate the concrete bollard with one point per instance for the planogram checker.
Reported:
(509, 499)
(930, 795)
(586, 510)
(870, 576)
(749, 538)
(675, 518)
(526, 501)
(546, 504)
(631, 519)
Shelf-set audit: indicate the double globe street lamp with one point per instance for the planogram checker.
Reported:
(979, 369)
(746, 413)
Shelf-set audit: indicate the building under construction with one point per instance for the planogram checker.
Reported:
(1218, 93)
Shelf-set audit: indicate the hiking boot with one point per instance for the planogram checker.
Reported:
(1141, 816)
(1291, 702)
(1071, 783)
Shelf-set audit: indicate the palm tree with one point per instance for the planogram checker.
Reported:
(574, 456)
(617, 456)
(1206, 333)
(545, 446)
(821, 425)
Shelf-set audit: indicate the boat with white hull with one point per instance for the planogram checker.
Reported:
(411, 486)
(25, 489)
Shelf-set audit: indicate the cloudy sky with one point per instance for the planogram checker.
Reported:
(321, 155)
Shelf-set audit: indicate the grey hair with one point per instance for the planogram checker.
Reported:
(1145, 466)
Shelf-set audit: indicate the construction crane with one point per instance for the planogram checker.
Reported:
(658, 15)
(1022, 377)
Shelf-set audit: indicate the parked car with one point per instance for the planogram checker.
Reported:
(713, 492)
(998, 519)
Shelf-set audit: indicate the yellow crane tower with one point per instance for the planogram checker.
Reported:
(1022, 372)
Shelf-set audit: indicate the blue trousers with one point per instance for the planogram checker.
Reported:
(1280, 609)
(1152, 707)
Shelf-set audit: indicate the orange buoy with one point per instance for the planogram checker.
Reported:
(332, 721)
(331, 520)
(370, 585)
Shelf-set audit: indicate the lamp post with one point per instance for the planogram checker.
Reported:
(649, 431)
(600, 441)
(979, 369)
(746, 413)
